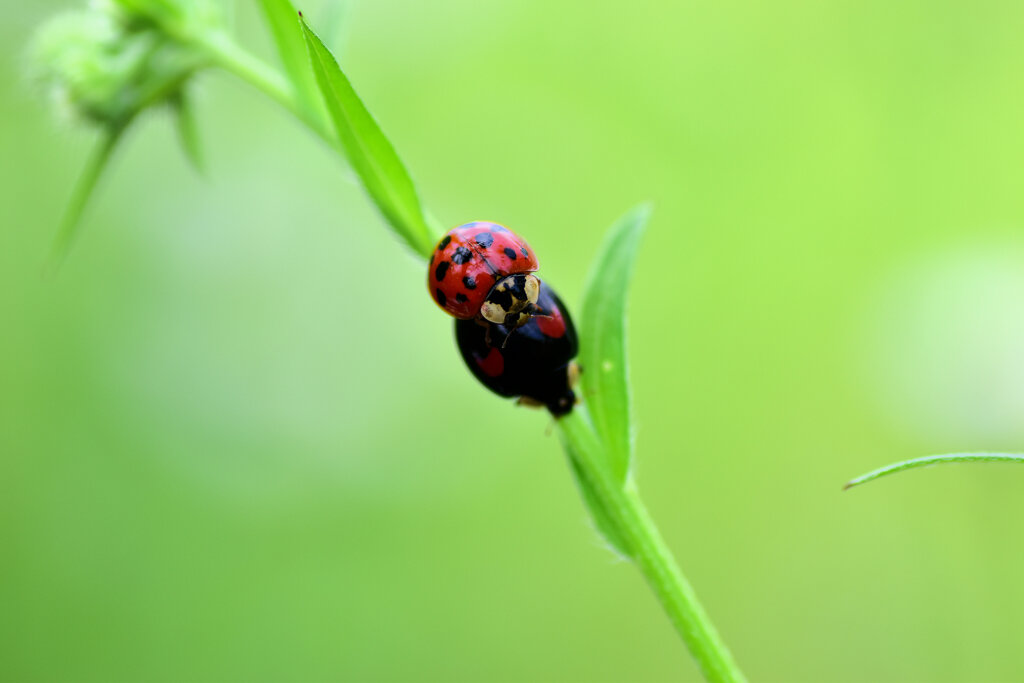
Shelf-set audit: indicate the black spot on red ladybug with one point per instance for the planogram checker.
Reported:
(469, 282)
(510, 252)
(441, 298)
(441, 269)
(445, 241)
(525, 253)
(461, 298)
(461, 255)
(485, 239)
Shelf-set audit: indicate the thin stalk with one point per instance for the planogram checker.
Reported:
(230, 56)
(930, 460)
(624, 508)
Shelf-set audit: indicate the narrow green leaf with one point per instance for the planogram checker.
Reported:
(585, 451)
(291, 47)
(933, 460)
(188, 131)
(605, 379)
(84, 186)
(369, 152)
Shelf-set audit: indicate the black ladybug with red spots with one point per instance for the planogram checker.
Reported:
(533, 361)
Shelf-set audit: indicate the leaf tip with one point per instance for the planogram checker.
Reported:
(641, 213)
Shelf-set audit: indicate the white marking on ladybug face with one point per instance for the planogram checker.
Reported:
(492, 312)
(532, 287)
(511, 295)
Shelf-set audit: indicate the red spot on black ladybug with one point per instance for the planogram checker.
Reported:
(485, 239)
(493, 364)
(469, 281)
(461, 298)
(551, 325)
(441, 298)
(441, 269)
(461, 255)
(445, 241)
(510, 252)
(532, 363)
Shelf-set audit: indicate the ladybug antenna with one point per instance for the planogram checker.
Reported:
(505, 341)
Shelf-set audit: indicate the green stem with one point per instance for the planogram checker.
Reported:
(230, 56)
(623, 508)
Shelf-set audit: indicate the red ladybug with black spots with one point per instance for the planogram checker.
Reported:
(483, 269)
(533, 361)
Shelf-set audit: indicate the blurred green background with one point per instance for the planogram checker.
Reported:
(237, 442)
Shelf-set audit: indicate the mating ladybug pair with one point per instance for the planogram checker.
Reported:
(513, 331)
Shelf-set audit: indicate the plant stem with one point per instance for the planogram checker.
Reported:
(230, 56)
(624, 508)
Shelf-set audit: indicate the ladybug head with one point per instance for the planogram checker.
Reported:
(512, 300)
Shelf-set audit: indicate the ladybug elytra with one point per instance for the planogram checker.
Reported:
(483, 269)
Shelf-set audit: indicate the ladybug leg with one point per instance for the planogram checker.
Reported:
(529, 402)
(575, 370)
(487, 331)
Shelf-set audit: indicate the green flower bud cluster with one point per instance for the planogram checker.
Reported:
(113, 59)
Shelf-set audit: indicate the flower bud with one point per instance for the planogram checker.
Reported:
(105, 64)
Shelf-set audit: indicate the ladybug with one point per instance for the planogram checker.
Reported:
(533, 361)
(482, 269)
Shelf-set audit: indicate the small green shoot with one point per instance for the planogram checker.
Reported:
(930, 460)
